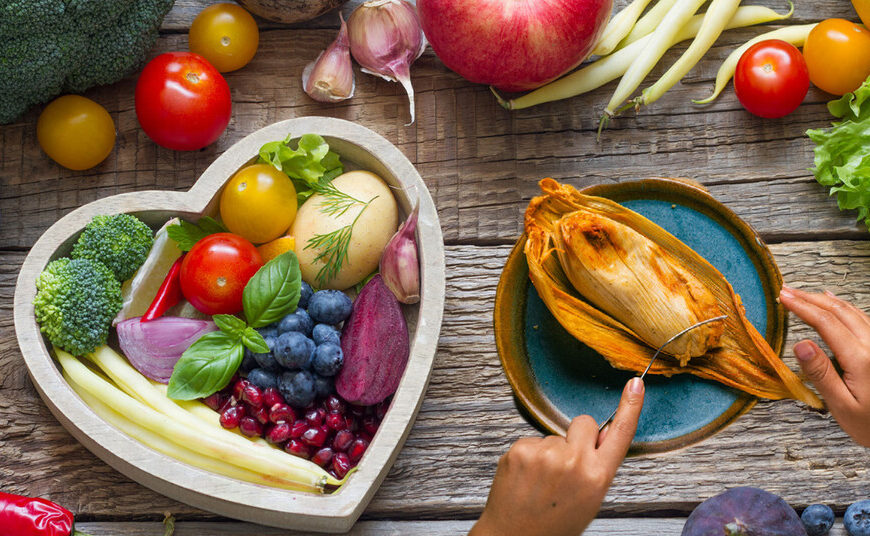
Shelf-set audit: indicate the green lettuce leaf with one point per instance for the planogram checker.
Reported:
(842, 152)
(308, 164)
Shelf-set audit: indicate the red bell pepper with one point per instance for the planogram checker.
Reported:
(25, 516)
(168, 294)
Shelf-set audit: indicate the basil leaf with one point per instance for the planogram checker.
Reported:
(229, 324)
(186, 234)
(273, 292)
(206, 367)
(255, 342)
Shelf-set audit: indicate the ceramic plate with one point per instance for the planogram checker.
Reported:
(359, 147)
(555, 377)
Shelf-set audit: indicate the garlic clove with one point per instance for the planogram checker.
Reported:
(400, 264)
(329, 78)
(385, 39)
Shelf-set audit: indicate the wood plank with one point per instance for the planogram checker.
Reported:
(480, 162)
(469, 418)
(599, 527)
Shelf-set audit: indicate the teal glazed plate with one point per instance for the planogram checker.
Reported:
(555, 377)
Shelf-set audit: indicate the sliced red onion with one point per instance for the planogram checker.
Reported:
(154, 347)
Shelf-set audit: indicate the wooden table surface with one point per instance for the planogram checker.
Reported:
(482, 165)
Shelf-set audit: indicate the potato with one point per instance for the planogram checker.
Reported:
(371, 232)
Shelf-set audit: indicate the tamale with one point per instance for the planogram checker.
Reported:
(637, 282)
(620, 284)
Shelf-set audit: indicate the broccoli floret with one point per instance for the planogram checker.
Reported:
(56, 46)
(76, 300)
(121, 242)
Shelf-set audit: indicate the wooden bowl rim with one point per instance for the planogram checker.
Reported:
(336, 512)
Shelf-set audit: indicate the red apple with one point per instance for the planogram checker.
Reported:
(514, 45)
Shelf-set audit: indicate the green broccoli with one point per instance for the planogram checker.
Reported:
(121, 242)
(75, 303)
(60, 46)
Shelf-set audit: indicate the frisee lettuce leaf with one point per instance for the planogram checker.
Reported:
(842, 152)
(310, 163)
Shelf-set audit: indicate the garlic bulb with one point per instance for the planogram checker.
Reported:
(400, 265)
(385, 39)
(329, 78)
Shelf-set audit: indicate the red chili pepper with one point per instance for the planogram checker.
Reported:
(25, 516)
(168, 295)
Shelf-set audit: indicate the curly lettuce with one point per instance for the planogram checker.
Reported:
(842, 152)
(309, 164)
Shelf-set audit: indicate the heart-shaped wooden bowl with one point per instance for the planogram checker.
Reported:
(360, 148)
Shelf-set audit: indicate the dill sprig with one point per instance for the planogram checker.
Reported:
(335, 202)
(333, 247)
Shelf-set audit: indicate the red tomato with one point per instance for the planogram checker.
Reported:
(771, 78)
(215, 271)
(182, 102)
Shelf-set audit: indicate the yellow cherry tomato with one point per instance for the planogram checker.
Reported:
(75, 132)
(863, 9)
(226, 35)
(259, 203)
(838, 56)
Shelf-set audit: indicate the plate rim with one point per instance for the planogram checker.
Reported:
(203, 489)
(510, 307)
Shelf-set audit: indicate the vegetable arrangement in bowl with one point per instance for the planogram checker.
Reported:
(251, 358)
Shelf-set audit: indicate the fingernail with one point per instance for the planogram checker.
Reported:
(804, 351)
(786, 291)
(786, 287)
(829, 293)
(635, 386)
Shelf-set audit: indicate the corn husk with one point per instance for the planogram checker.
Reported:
(731, 352)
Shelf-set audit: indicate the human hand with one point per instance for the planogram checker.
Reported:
(554, 485)
(846, 331)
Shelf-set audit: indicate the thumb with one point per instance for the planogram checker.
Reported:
(819, 369)
(618, 435)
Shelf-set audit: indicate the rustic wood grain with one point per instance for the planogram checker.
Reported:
(469, 418)
(599, 527)
(481, 163)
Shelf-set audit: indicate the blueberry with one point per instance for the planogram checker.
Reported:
(267, 360)
(249, 362)
(325, 333)
(296, 321)
(323, 386)
(329, 306)
(818, 519)
(268, 331)
(297, 388)
(293, 350)
(857, 518)
(305, 293)
(328, 359)
(263, 378)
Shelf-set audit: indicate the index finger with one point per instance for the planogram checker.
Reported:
(836, 335)
(621, 431)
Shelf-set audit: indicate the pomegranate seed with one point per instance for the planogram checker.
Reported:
(370, 424)
(322, 457)
(340, 465)
(315, 416)
(381, 410)
(261, 414)
(297, 448)
(335, 420)
(278, 433)
(250, 427)
(298, 428)
(357, 411)
(328, 431)
(252, 395)
(342, 440)
(228, 403)
(272, 396)
(357, 449)
(214, 401)
(364, 436)
(281, 412)
(351, 423)
(231, 416)
(333, 403)
(239, 387)
(314, 437)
